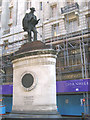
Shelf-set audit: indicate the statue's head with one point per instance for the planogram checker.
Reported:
(32, 9)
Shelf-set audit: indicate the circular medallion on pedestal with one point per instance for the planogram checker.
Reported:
(28, 81)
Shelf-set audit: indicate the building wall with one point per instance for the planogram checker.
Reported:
(19, 10)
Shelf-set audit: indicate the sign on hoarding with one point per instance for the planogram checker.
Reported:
(81, 85)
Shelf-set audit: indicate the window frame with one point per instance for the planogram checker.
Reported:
(55, 29)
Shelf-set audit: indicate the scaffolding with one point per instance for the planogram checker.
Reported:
(73, 54)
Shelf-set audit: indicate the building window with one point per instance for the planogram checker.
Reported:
(16, 13)
(0, 20)
(55, 29)
(0, 3)
(54, 10)
(88, 21)
(28, 4)
(10, 13)
(87, 2)
(72, 25)
(6, 44)
(69, 1)
(10, 17)
(40, 5)
(71, 76)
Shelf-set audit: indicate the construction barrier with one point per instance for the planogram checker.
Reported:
(2, 110)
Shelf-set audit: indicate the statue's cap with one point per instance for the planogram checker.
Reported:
(32, 9)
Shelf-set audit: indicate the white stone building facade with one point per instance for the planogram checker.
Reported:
(52, 21)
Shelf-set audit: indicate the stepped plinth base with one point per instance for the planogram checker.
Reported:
(33, 115)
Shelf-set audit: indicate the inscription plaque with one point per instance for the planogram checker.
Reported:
(28, 100)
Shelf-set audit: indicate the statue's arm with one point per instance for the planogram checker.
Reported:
(25, 22)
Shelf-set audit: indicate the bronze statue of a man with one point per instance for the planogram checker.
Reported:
(29, 23)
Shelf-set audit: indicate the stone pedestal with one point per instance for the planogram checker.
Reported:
(34, 82)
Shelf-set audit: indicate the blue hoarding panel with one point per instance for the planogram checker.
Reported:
(70, 104)
(7, 101)
(2, 109)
